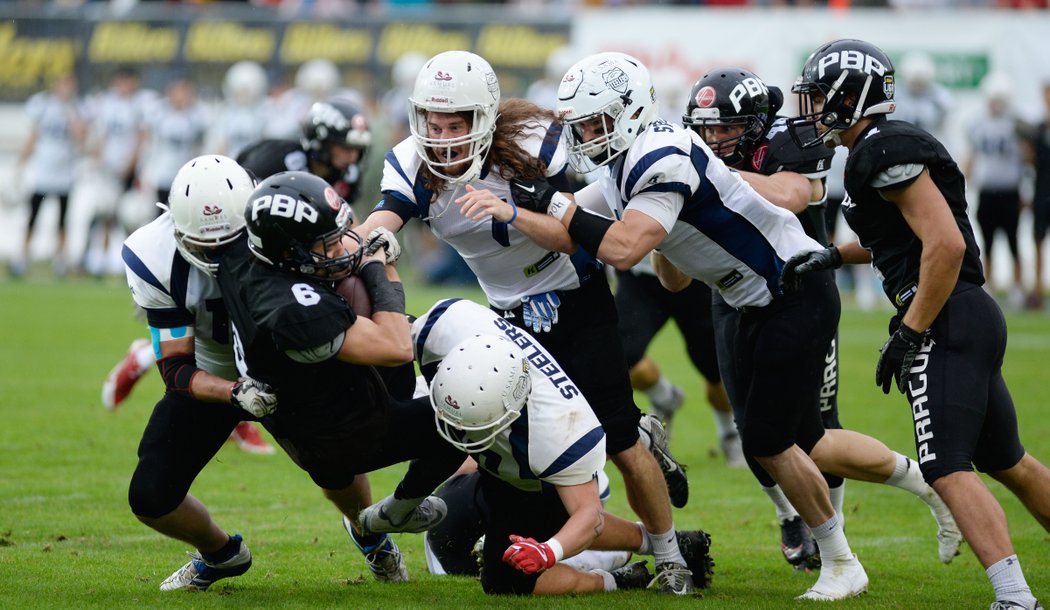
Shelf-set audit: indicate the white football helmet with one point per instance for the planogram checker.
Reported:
(479, 390)
(612, 85)
(206, 203)
(454, 82)
(245, 83)
(319, 78)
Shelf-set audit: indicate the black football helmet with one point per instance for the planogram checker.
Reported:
(732, 97)
(335, 121)
(291, 212)
(842, 82)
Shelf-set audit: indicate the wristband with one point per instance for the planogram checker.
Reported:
(559, 206)
(512, 218)
(588, 230)
(385, 295)
(559, 552)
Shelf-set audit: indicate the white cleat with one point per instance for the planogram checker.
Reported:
(838, 580)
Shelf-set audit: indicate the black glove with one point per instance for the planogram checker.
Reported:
(533, 194)
(820, 260)
(896, 356)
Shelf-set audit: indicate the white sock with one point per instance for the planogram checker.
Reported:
(665, 547)
(724, 424)
(397, 509)
(832, 540)
(589, 560)
(610, 582)
(838, 497)
(644, 438)
(662, 390)
(906, 475)
(145, 357)
(1009, 582)
(785, 511)
(646, 547)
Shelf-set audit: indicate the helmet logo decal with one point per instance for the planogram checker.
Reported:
(212, 210)
(887, 86)
(451, 402)
(749, 87)
(615, 79)
(705, 98)
(283, 205)
(493, 84)
(326, 115)
(332, 198)
(442, 75)
(850, 60)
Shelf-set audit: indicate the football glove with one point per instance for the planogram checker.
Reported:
(528, 555)
(383, 238)
(807, 262)
(540, 311)
(896, 357)
(532, 194)
(253, 396)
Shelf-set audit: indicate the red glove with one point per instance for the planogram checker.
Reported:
(528, 555)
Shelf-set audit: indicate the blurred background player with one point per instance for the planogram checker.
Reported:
(171, 265)
(46, 162)
(544, 91)
(1038, 152)
(116, 117)
(921, 100)
(334, 137)
(173, 133)
(995, 168)
(242, 118)
(315, 80)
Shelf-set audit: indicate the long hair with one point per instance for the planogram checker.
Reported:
(515, 116)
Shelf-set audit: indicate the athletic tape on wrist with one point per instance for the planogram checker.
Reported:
(559, 206)
(385, 295)
(559, 552)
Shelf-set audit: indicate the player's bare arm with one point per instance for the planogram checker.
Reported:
(787, 190)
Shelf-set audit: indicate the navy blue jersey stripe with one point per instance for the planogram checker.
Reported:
(519, 445)
(438, 311)
(140, 269)
(391, 158)
(647, 161)
(706, 211)
(550, 143)
(576, 451)
(180, 278)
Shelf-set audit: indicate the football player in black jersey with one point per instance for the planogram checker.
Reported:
(906, 202)
(735, 112)
(335, 138)
(336, 419)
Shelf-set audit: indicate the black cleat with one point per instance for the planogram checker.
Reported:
(695, 546)
(632, 576)
(798, 545)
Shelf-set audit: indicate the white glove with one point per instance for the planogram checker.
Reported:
(254, 397)
(383, 238)
(540, 311)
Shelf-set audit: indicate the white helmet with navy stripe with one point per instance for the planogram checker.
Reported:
(615, 87)
(479, 390)
(206, 203)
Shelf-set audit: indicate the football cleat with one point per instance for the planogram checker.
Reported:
(632, 576)
(674, 474)
(384, 558)
(798, 545)
(949, 538)
(733, 449)
(1003, 604)
(122, 378)
(248, 439)
(199, 574)
(838, 580)
(665, 409)
(695, 546)
(673, 578)
(430, 512)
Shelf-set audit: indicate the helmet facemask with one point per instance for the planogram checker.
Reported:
(607, 144)
(440, 154)
(731, 149)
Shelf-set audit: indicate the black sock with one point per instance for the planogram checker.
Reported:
(226, 553)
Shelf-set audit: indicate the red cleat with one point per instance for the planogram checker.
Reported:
(248, 438)
(122, 378)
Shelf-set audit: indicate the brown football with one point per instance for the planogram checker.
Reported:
(354, 293)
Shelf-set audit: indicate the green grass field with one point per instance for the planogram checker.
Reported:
(68, 539)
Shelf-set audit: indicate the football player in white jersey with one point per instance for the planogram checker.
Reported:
(500, 395)
(170, 267)
(454, 173)
(667, 190)
(50, 151)
(173, 133)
